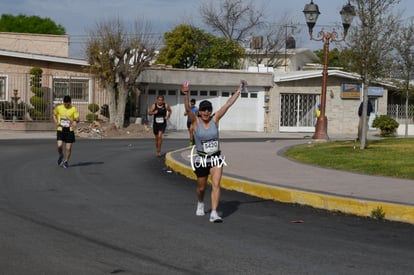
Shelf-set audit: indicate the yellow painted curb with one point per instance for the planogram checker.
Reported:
(359, 207)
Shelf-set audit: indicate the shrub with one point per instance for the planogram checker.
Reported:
(36, 81)
(387, 125)
(36, 71)
(38, 103)
(91, 117)
(5, 105)
(36, 114)
(23, 106)
(37, 100)
(93, 107)
(38, 91)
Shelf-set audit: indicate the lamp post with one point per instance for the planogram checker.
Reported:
(311, 12)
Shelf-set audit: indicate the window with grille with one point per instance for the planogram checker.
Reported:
(76, 88)
(2, 88)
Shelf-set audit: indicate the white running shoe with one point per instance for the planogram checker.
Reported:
(214, 217)
(200, 209)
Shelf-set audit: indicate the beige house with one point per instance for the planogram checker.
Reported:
(297, 95)
(61, 75)
(275, 103)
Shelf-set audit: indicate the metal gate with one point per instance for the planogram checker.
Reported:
(297, 112)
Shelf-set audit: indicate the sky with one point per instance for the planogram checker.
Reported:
(78, 17)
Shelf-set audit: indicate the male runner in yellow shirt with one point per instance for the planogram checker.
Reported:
(66, 117)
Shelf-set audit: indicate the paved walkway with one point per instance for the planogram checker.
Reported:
(259, 169)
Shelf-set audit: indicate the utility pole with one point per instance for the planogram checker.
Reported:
(292, 27)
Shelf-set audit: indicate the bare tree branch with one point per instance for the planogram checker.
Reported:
(117, 58)
(234, 19)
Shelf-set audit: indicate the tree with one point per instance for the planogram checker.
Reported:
(335, 57)
(29, 24)
(233, 19)
(187, 46)
(242, 22)
(404, 64)
(370, 40)
(117, 59)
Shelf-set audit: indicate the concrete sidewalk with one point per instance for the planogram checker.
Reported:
(11, 134)
(258, 168)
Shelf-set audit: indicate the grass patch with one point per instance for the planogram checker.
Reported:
(392, 157)
(378, 213)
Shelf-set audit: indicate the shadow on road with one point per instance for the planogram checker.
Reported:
(229, 207)
(87, 163)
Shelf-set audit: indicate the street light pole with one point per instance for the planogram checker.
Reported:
(321, 129)
(311, 12)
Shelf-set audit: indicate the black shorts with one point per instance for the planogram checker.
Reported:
(158, 127)
(188, 124)
(204, 170)
(66, 136)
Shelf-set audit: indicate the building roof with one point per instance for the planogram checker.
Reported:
(298, 75)
(47, 58)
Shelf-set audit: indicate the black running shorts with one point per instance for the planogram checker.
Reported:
(66, 136)
(159, 127)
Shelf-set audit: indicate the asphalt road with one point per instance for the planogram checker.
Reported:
(118, 210)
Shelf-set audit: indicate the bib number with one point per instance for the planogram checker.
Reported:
(159, 119)
(65, 123)
(211, 146)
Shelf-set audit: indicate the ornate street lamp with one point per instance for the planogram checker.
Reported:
(311, 12)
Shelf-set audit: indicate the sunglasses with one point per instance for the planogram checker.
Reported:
(206, 109)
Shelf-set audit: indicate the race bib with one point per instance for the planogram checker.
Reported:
(210, 146)
(159, 119)
(65, 123)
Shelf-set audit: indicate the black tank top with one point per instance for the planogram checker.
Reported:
(160, 115)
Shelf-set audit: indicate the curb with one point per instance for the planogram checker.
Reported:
(357, 207)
